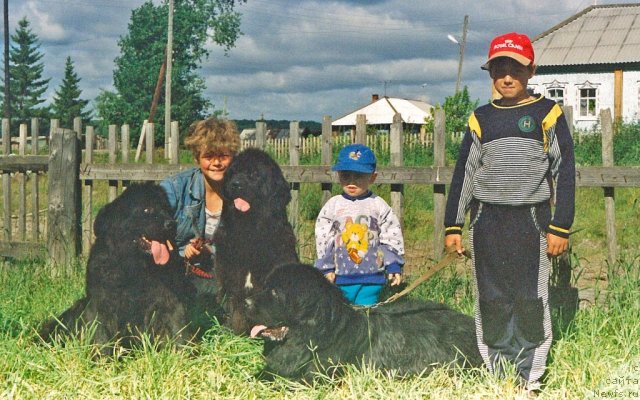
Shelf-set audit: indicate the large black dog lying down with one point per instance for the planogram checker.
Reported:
(308, 326)
(134, 283)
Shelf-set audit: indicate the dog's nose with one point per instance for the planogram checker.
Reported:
(169, 224)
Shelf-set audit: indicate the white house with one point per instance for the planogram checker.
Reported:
(591, 61)
(382, 109)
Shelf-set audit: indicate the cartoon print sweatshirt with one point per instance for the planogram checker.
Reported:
(360, 239)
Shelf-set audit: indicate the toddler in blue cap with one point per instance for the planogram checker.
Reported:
(359, 240)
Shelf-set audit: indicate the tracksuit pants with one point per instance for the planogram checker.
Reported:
(511, 272)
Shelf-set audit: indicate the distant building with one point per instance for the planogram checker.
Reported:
(591, 61)
(381, 111)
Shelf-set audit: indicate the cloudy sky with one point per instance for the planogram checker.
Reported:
(303, 59)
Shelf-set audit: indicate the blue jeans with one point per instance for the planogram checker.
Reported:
(362, 295)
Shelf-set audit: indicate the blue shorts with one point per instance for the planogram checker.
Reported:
(362, 295)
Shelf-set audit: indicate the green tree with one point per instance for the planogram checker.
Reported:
(25, 71)
(457, 109)
(142, 53)
(67, 103)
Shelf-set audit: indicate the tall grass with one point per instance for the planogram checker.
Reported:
(598, 352)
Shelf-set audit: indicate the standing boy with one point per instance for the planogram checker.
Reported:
(516, 151)
(358, 237)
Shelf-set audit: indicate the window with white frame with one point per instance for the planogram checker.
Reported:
(557, 95)
(588, 102)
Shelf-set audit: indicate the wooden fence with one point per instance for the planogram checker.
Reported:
(66, 229)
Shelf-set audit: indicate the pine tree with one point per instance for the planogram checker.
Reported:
(25, 71)
(66, 102)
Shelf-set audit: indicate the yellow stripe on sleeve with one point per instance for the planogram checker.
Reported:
(549, 121)
(558, 229)
(474, 125)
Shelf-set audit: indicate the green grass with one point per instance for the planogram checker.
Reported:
(600, 345)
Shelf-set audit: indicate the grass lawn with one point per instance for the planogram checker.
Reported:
(597, 354)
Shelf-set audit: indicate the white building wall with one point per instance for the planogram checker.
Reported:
(603, 83)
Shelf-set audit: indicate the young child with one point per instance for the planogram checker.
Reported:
(195, 193)
(513, 151)
(358, 237)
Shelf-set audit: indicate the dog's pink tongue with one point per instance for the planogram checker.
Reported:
(241, 204)
(255, 331)
(160, 252)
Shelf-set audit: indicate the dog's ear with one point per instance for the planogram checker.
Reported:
(281, 190)
(105, 221)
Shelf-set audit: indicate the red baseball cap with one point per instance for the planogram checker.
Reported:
(513, 45)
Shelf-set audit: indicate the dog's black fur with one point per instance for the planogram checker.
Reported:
(308, 327)
(127, 293)
(250, 243)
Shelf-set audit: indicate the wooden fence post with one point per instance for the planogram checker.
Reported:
(125, 146)
(609, 193)
(143, 133)
(149, 134)
(361, 129)
(113, 143)
(261, 134)
(35, 192)
(6, 182)
(396, 160)
(77, 126)
(439, 200)
(87, 205)
(174, 153)
(294, 160)
(22, 184)
(63, 237)
(568, 115)
(326, 154)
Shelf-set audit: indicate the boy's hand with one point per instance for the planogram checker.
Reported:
(395, 279)
(556, 245)
(454, 240)
(331, 276)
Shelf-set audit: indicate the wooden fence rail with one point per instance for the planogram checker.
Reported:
(71, 189)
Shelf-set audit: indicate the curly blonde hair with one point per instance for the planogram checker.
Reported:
(212, 135)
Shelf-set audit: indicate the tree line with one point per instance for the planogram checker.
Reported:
(142, 52)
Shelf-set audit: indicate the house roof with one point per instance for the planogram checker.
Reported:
(381, 112)
(605, 34)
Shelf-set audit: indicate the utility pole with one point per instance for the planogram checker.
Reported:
(7, 92)
(462, 44)
(167, 92)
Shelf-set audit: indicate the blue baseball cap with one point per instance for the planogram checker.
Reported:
(356, 157)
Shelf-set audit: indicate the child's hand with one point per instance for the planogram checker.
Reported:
(191, 251)
(556, 245)
(195, 248)
(331, 276)
(454, 241)
(395, 279)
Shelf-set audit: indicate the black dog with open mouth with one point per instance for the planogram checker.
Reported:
(134, 282)
(254, 235)
(308, 327)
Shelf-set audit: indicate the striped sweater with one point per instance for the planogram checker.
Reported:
(510, 156)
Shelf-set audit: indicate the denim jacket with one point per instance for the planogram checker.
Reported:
(185, 192)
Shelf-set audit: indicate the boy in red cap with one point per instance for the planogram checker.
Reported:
(516, 150)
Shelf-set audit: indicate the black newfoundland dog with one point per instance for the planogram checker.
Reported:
(134, 283)
(308, 327)
(254, 235)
